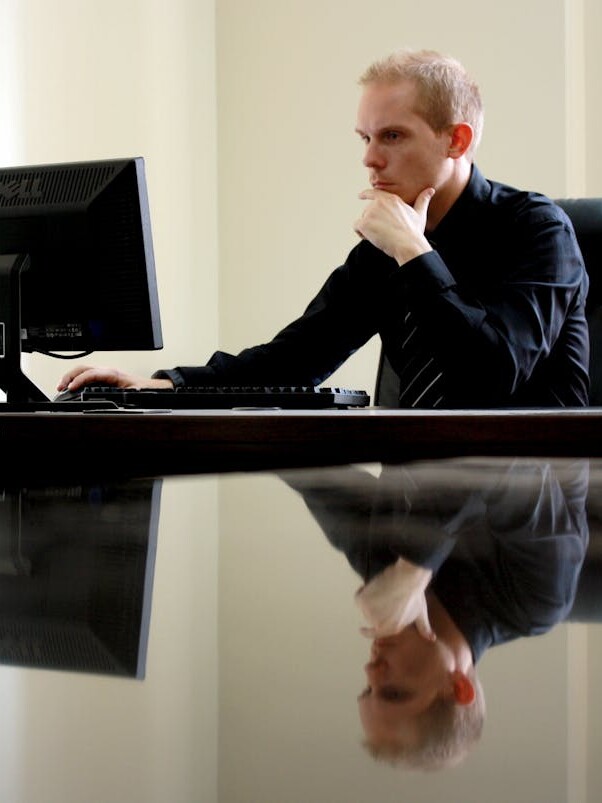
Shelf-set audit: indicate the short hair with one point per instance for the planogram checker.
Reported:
(446, 93)
(447, 730)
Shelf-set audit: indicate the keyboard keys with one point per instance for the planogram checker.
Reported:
(229, 397)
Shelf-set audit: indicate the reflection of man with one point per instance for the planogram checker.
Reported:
(476, 290)
(456, 557)
(422, 693)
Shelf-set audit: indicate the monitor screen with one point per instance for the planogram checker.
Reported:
(77, 271)
(76, 575)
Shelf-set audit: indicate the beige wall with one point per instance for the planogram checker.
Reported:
(593, 73)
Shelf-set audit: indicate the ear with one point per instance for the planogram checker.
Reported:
(463, 688)
(460, 140)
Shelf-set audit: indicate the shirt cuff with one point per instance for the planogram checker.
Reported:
(172, 374)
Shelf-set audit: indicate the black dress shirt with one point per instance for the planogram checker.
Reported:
(505, 540)
(500, 301)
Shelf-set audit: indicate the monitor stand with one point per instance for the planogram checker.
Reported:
(22, 395)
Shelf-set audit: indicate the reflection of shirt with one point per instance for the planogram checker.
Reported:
(499, 304)
(505, 545)
(514, 572)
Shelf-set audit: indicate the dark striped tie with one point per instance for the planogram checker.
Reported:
(420, 377)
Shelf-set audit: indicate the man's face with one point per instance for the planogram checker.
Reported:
(402, 152)
(405, 675)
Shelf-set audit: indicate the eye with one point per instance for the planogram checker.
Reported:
(392, 695)
(392, 136)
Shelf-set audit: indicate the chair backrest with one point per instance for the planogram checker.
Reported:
(586, 217)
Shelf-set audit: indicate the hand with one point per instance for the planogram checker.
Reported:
(396, 598)
(394, 226)
(83, 375)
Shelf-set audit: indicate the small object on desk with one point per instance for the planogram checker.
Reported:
(68, 396)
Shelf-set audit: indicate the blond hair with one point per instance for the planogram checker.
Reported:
(446, 93)
(448, 732)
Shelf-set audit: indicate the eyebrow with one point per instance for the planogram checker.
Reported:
(384, 130)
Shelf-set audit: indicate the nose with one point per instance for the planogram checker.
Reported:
(373, 156)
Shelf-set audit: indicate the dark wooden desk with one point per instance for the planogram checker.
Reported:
(46, 446)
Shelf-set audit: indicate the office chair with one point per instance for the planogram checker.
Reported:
(586, 216)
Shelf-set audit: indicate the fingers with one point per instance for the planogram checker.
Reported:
(368, 195)
(83, 375)
(379, 219)
(421, 204)
(67, 378)
(393, 226)
(394, 599)
(423, 626)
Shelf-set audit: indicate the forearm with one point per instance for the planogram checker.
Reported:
(340, 319)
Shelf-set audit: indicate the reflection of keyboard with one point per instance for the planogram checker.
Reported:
(187, 398)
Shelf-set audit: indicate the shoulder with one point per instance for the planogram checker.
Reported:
(531, 220)
(526, 206)
(529, 228)
(502, 213)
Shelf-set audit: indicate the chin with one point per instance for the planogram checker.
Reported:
(406, 196)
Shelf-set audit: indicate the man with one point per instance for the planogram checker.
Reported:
(423, 704)
(476, 289)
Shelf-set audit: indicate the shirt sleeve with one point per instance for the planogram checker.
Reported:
(339, 320)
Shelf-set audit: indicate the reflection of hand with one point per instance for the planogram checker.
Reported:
(394, 226)
(394, 599)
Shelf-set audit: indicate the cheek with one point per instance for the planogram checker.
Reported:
(417, 167)
(412, 663)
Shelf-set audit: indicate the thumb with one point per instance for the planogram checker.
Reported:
(422, 202)
(424, 626)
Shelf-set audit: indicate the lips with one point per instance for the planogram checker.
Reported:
(385, 641)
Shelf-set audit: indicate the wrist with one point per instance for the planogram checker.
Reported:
(408, 251)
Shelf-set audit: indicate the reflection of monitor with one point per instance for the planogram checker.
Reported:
(77, 271)
(76, 576)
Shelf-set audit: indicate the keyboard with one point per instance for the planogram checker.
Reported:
(211, 398)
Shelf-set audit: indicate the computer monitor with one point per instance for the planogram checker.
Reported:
(77, 271)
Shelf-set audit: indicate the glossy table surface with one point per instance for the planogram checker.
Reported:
(194, 637)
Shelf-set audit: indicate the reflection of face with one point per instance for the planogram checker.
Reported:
(403, 154)
(405, 674)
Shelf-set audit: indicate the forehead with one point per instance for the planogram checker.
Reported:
(387, 103)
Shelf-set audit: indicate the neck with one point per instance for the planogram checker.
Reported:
(447, 195)
(448, 632)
